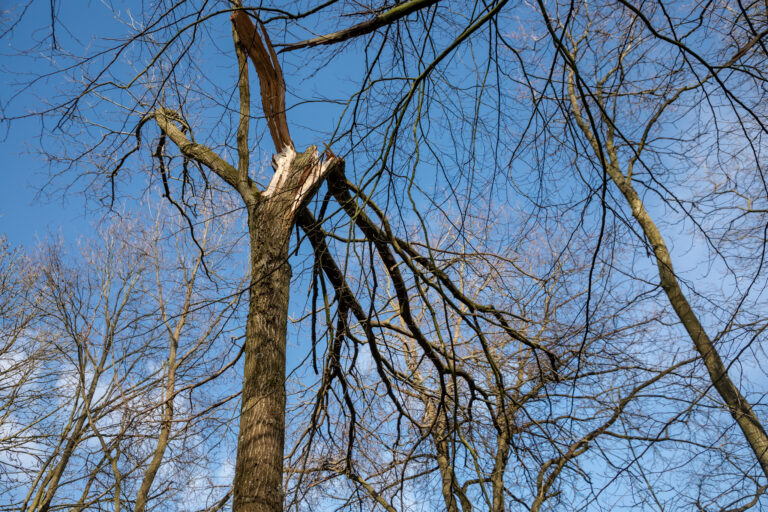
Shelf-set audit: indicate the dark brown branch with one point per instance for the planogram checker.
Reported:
(366, 27)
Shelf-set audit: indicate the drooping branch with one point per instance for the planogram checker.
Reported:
(346, 201)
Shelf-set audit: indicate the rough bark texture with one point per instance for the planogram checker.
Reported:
(259, 466)
(258, 484)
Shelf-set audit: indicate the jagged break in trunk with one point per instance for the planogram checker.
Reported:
(259, 466)
(258, 479)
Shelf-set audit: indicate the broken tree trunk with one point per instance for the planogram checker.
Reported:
(258, 482)
(259, 465)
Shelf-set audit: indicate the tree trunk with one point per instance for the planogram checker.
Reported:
(499, 468)
(258, 484)
(740, 409)
(738, 406)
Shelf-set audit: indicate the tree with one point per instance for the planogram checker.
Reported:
(459, 117)
(121, 369)
(609, 155)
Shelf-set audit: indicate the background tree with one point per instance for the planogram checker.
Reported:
(128, 371)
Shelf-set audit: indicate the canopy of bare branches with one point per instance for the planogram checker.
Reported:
(411, 255)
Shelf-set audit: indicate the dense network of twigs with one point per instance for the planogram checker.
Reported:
(527, 259)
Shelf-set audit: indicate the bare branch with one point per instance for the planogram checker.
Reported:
(390, 16)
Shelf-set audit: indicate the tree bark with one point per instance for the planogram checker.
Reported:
(258, 484)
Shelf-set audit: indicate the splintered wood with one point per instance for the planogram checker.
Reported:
(271, 82)
(296, 174)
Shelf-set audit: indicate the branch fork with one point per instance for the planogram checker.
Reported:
(297, 175)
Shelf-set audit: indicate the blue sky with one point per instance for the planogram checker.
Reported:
(26, 214)
(26, 217)
(30, 207)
